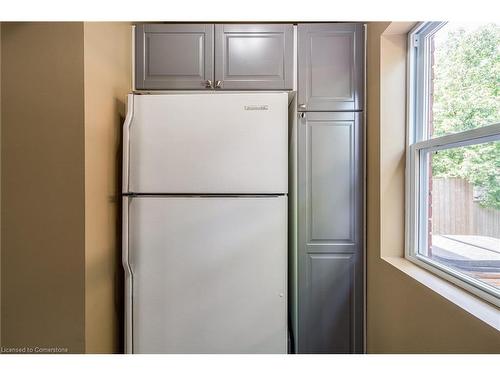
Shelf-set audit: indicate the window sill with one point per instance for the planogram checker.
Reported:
(479, 308)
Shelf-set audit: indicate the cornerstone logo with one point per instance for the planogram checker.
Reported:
(31, 349)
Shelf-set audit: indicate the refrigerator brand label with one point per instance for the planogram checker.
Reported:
(256, 107)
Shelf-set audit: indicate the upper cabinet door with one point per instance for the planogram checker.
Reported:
(254, 56)
(330, 67)
(174, 56)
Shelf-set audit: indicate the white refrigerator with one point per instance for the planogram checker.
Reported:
(205, 179)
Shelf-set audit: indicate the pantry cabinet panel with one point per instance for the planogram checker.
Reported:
(174, 56)
(330, 181)
(254, 56)
(330, 67)
(332, 307)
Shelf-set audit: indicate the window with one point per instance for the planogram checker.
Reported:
(453, 154)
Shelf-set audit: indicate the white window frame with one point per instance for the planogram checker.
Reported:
(418, 145)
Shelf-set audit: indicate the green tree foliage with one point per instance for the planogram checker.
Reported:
(466, 96)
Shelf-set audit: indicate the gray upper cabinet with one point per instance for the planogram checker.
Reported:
(254, 56)
(237, 57)
(330, 233)
(330, 67)
(174, 56)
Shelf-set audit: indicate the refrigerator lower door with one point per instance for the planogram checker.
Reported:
(208, 274)
(233, 143)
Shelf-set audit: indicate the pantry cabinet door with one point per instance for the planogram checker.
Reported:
(330, 233)
(330, 67)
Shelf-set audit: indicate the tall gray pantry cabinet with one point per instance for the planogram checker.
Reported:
(326, 273)
(330, 250)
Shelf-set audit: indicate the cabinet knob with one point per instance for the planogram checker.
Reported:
(302, 106)
(209, 84)
(218, 84)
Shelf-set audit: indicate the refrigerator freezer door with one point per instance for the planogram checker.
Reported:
(208, 274)
(232, 143)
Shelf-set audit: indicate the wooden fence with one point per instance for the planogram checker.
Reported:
(454, 210)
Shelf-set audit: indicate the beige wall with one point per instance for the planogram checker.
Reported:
(42, 159)
(64, 88)
(107, 82)
(403, 315)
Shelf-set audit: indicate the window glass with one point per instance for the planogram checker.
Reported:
(463, 210)
(464, 77)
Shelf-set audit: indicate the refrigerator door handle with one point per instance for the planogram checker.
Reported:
(128, 277)
(126, 142)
